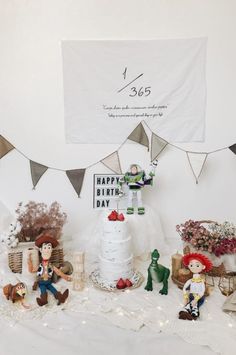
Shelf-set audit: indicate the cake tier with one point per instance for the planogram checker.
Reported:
(116, 250)
(112, 271)
(115, 230)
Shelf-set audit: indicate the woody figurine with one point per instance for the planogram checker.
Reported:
(46, 243)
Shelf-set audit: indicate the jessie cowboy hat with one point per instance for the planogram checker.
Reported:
(199, 257)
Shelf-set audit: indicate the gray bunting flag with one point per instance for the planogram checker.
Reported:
(37, 171)
(112, 162)
(233, 148)
(157, 146)
(76, 178)
(139, 135)
(197, 162)
(5, 146)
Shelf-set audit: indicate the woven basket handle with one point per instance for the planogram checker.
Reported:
(208, 221)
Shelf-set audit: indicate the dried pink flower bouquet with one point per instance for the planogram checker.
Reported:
(35, 218)
(215, 238)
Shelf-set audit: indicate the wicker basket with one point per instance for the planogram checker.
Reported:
(17, 259)
(217, 271)
(57, 257)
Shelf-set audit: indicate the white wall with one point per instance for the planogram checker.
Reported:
(31, 103)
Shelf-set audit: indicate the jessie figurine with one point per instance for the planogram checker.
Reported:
(194, 288)
(46, 243)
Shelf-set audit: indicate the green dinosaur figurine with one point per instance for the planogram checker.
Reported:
(157, 273)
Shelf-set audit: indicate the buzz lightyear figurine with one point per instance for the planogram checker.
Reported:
(136, 179)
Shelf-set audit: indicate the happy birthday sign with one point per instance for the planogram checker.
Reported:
(106, 191)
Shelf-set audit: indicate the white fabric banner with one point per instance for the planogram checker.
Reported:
(110, 86)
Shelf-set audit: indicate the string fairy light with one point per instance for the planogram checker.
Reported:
(163, 323)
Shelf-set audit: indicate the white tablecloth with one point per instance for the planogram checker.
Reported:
(130, 322)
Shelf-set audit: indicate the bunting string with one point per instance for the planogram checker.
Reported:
(112, 160)
(190, 151)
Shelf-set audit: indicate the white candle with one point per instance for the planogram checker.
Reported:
(176, 264)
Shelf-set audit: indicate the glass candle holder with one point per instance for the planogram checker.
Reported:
(209, 280)
(227, 283)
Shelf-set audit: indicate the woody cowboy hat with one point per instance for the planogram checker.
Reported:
(46, 238)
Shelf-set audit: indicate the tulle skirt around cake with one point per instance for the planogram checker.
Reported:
(145, 230)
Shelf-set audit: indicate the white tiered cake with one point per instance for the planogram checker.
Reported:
(115, 257)
(116, 260)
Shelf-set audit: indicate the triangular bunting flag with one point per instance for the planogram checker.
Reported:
(5, 146)
(197, 162)
(112, 162)
(139, 135)
(157, 146)
(37, 171)
(233, 148)
(76, 178)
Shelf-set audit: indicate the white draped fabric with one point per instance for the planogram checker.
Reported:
(110, 86)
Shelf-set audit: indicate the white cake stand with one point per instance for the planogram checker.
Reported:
(137, 279)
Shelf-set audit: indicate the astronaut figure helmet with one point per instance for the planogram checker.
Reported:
(135, 169)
